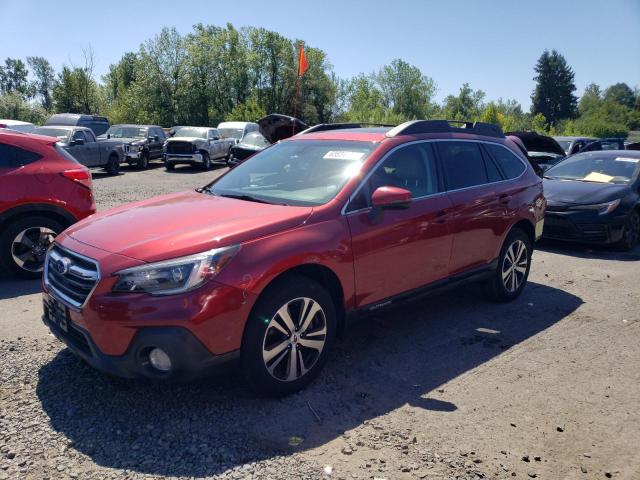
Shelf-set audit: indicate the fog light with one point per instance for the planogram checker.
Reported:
(160, 360)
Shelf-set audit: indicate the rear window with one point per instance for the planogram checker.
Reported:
(14, 157)
(509, 163)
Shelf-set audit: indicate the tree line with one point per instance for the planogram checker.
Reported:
(218, 73)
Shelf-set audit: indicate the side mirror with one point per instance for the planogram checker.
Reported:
(77, 141)
(391, 198)
(108, 136)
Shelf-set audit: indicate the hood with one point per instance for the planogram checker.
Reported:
(183, 224)
(123, 139)
(185, 139)
(535, 142)
(276, 127)
(574, 192)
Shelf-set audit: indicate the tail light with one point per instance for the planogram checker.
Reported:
(79, 175)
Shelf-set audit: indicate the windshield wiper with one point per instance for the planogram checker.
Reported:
(248, 198)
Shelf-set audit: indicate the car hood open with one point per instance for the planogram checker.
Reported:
(183, 224)
(276, 127)
(535, 142)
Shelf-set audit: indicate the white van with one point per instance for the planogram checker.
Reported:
(237, 130)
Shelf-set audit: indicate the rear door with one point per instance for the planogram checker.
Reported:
(399, 250)
(155, 145)
(16, 178)
(479, 202)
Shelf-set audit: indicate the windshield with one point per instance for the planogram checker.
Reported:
(565, 144)
(231, 132)
(591, 167)
(191, 132)
(127, 132)
(306, 172)
(255, 140)
(60, 133)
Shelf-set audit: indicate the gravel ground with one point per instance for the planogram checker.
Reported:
(447, 387)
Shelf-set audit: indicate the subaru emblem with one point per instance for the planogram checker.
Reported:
(62, 265)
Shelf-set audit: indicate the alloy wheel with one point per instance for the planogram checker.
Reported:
(514, 266)
(294, 339)
(29, 248)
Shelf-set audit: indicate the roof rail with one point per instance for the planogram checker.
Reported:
(322, 127)
(415, 127)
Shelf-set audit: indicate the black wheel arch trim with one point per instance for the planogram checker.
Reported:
(34, 209)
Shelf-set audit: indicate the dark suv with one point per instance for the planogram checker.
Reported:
(265, 264)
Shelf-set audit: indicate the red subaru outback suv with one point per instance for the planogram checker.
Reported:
(265, 264)
(43, 190)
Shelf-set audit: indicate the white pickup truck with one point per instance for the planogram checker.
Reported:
(200, 146)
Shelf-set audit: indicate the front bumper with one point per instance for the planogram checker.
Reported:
(176, 158)
(583, 226)
(189, 357)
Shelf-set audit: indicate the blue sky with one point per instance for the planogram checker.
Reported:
(492, 44)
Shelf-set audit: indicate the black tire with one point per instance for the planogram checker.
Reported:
(630, 232)
(113, 165)
(34, 263)
(292, 292)
(169, 166)
(503, 286)
(143, 161)
(206, 161)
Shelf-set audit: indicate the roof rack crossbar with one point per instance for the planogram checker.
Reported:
(415, 127)
(323, 127)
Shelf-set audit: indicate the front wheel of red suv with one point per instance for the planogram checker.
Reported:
(24, 243)
(513, 267)
(288, 336)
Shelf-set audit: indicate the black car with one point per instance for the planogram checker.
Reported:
(594, 197)
(273, 128)
(251, 143)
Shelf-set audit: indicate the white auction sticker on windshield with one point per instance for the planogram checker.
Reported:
(627, 159)
(343, 155)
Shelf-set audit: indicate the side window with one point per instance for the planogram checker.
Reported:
(89, 136)
(160, 134)
(463, 164)
(493, 173)
(412, 167)
(79, 135)
(215, 134)
(13, 157)
(511, 165)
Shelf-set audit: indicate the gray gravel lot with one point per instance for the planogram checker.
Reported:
(447, 387)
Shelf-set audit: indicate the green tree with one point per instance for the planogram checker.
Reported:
(13, 78)
(492, 114)
(621, 94)
(44, 79)
(405, 90)
(467, 105)
(14, 106)
(553, 95)
(591, 98)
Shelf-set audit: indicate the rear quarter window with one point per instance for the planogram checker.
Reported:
(14, 157)
(511, 165)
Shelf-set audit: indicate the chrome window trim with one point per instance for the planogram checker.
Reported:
(344, 211)
(61, 297)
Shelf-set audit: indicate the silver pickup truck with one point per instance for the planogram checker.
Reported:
(197, 146)
(83, 145)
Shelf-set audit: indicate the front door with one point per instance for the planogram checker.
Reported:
(399, 250)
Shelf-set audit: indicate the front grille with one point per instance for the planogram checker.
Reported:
(71, 276)
(556, 226)
(180, 148)
(126, 148)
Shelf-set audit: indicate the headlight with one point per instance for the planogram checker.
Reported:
(175, 276)
(601, 208)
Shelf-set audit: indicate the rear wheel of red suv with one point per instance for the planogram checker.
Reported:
(24, 243)
(288, 336)
(513, 267)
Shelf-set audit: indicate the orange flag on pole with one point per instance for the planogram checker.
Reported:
(303, 64)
